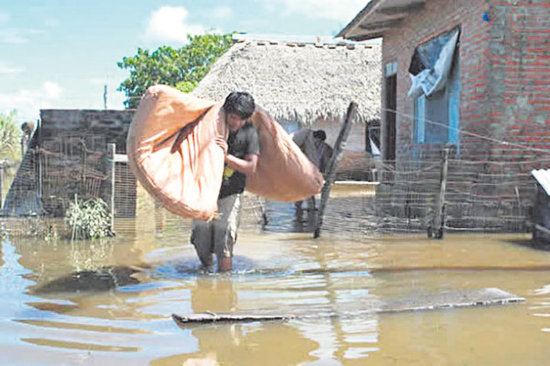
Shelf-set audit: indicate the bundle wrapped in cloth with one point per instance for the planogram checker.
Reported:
(172, 152)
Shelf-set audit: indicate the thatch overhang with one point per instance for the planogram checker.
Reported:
(299, 82)
(379, 16)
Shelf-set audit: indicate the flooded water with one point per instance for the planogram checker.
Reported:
(110, 303)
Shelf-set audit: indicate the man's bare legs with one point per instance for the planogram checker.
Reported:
(225, 264)
(208, 262)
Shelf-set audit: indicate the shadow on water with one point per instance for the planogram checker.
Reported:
(530, 243)
(112, 277)
(283, 217)
(102, 279)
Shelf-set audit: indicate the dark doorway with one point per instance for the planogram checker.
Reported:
(389, 125)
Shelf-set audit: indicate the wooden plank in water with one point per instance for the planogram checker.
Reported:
(418, 302)
(450, 299)
(209, 317)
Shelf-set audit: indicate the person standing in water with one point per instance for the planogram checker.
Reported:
(218, 236)
(313, 145)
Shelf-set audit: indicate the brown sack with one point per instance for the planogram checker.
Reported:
(283, 173)
(184, 175)
(182, 167)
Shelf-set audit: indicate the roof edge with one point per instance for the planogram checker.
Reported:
(378, 17)
(371, 6)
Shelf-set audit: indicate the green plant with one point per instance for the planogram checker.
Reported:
(9, 133)
(89, 219)
(51, 234)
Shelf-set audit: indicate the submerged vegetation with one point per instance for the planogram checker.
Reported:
(89, 219)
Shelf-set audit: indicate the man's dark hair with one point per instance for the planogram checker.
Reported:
(239, 103)
(27, 127)
(320, 134)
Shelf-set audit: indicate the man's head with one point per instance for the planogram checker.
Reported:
(238, 107)
(27, 127)
(320, 134)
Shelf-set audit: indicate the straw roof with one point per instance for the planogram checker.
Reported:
(298, 81)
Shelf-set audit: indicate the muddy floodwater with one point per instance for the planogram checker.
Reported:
(110, 303)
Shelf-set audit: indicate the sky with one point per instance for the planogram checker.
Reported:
(59, 54)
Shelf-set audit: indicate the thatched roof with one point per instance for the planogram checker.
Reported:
(298, 81)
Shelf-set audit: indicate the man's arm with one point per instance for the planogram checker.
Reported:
(246, 165)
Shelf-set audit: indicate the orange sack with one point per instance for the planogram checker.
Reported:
(283, 173)
(171, 151)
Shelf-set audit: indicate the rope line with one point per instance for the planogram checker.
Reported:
(464, 132)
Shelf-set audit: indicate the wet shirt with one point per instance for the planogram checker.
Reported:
(240, 143)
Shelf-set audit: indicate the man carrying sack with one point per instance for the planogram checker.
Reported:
(218, 236)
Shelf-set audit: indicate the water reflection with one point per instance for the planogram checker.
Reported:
(110, 303)
(60, 308)
(283, 217)
(541, 306)
(13, 283)
(347, 292)
(254, 343)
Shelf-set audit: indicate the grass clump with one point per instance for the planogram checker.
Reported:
(89, 219)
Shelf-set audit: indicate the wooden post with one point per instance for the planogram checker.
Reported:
(110, 182)
(333, 165)
(520, 213)
(439, 216)
(105, 96)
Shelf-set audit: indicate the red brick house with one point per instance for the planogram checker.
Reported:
(488, 62)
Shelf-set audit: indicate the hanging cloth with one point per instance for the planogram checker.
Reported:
(431, 64)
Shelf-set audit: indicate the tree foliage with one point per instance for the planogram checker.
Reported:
(9, 133)
(182, 68)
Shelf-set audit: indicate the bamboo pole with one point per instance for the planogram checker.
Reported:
(110, 183)
(333, 165)
(439, 216)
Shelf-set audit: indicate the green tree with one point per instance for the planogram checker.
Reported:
(9, 133)
(182, 68)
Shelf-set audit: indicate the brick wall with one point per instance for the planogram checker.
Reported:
(73, 144)
(95, 127)
(505, 95)
(66, 157)
(504, 68)
(520, 79)
(438, 17)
